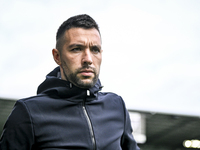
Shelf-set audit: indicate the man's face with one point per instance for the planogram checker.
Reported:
(81, 57)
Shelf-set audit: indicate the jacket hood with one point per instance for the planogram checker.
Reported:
(55, 86)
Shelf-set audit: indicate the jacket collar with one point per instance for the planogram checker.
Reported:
(55, 86)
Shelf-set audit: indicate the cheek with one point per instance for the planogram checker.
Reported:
(71, 63)
(98, 63)
(99, 59)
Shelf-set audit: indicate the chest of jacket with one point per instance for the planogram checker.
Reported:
(97, 124)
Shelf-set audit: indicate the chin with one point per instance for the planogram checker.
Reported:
(86, 84)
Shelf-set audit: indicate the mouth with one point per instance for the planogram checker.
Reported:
(87, 72)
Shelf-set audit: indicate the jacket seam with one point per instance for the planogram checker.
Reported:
(123, 114)
(31, 120)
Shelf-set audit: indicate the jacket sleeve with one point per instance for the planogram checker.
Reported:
(18, 132)
(127, 140)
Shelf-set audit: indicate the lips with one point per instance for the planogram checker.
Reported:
(87, 72)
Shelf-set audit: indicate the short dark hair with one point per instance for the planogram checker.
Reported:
(79, 21)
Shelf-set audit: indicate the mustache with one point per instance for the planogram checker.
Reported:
(86, 67)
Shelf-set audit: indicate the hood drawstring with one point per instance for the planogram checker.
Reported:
(70, 85)
(88, 93)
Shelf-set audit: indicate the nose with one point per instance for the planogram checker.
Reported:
(87, 57)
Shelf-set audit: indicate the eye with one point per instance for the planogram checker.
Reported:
(95, 50)
(76, 49)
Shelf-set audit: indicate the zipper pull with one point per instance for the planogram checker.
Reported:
(88, 93)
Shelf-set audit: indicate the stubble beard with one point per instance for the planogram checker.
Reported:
(77, 81)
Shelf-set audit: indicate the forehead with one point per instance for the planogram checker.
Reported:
(83, 35)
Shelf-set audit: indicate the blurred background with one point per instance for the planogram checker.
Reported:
(151, 53)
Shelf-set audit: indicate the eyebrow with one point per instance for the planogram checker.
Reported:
(81, 45)
(98, 46)
(75, 45)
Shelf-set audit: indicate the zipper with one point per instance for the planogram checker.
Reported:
(90, 125)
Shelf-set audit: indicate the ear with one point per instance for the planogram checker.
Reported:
(56, 56)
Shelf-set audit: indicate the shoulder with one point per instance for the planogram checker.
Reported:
(22, 105)
(32, 98)
(110, 95)
(111, 98)
(40, 98)
(31, 103)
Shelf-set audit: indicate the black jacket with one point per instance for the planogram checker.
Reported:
(65, 117)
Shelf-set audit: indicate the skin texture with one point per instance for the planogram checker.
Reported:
(80, 57)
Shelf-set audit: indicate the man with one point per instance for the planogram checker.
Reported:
(69, 112)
